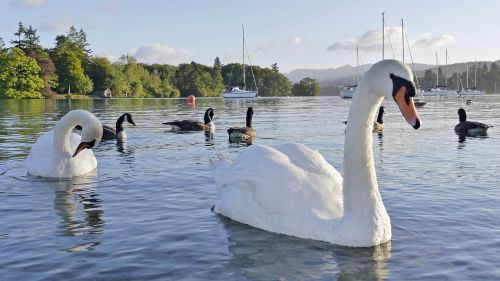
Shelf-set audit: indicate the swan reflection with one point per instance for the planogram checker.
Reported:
(262, 255)
(80, 210)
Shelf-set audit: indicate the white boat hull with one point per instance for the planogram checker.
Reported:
(240, 94)
(471, 92)
(347, 93)
(441, 93)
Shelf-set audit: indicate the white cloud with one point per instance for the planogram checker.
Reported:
(296, 40)
(291, 43)
(28, 3)
(432, 42)
(157, 53)
(371, 41)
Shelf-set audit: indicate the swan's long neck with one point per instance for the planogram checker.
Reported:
(62, 131)
(362, 201)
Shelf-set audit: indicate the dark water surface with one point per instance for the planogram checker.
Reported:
(145, 213)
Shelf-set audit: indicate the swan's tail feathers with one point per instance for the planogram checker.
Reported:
(221, 156)
(216, 162)
(220, 168)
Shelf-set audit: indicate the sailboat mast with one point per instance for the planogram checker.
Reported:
(437, 71)
(475, 75)
(467, 74)
(446, 71)
(244, 78)
(403, 39)
(383, 34)
(357, 64)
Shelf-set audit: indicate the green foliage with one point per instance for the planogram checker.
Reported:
(306, 87)
(268, 80)
(101, 73)
(74, 41)
(19, 76)
(27, 39)
(47, 72)
(71, 74)
(2, 45)
(198, 80)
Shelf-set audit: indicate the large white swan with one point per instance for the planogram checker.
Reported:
(291, 189)
(61, 153)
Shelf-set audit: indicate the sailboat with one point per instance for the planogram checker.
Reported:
(236, 91)
(439, 90)
(471, 91)
(348, 91)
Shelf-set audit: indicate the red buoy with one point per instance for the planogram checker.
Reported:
(191, 99)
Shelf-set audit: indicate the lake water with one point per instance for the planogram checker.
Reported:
(145, 214)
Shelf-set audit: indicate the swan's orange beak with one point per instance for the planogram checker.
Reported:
(82, 146)
(407, 108)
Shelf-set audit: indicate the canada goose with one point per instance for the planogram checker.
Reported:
(63, 154)
(191, 125)
(291, 189)
(243, 133)
(469, 128)
(119, 133)
(378, 125)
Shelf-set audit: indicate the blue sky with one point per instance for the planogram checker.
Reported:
(294, 34)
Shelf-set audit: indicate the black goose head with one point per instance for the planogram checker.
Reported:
(125, 117)
(209, 115)
(462, 116)
(380, 117)
(249, 117)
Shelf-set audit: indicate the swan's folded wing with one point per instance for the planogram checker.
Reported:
(264, 188)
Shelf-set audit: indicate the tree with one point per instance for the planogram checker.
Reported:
(429, 79)
(198, 80)
(120, 86)
(2, 45)
(306, 87)
(101, 73)
(19, 76)
(135, 75)
(71, 74)
(19, 43)
(218, 82)
(47, 72)
(27, 39)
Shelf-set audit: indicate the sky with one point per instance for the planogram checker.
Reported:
(315, 34)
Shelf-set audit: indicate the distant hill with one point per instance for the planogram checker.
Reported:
(331, 80)
(345, 71)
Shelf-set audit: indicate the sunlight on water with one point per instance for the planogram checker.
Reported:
(145, 213)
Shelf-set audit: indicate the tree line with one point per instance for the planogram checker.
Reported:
(478, 76)
(28, 70)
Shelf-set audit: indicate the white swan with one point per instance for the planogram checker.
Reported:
(291, 189)
(61, 153)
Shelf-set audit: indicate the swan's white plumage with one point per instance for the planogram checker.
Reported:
(51, 155)
(279, 189)
(291, 189)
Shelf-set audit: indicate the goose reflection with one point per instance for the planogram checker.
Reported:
(80, 210)
(262, 255)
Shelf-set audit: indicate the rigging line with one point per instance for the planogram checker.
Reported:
(411, 58)
(390, 43)
(251, 68)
